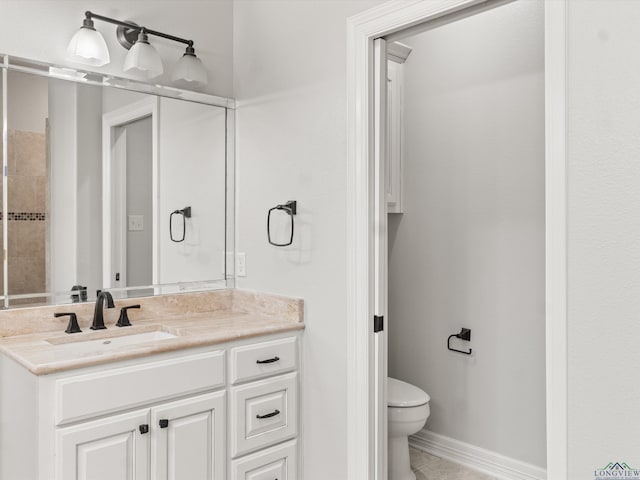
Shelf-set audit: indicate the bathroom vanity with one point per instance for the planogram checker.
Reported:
(203, 385)
(204, 395)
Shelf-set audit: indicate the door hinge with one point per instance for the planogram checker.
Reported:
(118, 277)
(378, 323)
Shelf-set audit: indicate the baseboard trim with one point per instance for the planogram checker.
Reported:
(486, 461)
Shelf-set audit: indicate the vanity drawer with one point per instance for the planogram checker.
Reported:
(89, 395)
(264, 359)
(274, 463)
(263, 413)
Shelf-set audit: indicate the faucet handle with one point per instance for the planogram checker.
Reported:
(123, 321)
(73, 326)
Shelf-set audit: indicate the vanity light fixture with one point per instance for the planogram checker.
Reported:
(143, 58)
(88, 47)
(189, 69)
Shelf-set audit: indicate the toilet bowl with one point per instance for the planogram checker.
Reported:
(408, 410)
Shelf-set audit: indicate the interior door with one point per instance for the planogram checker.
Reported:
(380, 253)
(189, 439)
(114, 448)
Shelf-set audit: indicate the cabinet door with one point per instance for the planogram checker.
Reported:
(114, 448)
(189, 439)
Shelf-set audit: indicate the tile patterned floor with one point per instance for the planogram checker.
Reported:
(428, 467)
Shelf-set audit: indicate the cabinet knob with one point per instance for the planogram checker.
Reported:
(164, 423)
(270, 360)
(144, 429)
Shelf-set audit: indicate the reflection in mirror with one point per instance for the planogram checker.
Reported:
(94, 174)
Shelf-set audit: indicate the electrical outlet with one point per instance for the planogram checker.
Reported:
(241, 264)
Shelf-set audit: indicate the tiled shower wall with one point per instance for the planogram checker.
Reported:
(27, 212)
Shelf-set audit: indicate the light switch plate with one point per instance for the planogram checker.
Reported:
(240, 264)
(136, 223)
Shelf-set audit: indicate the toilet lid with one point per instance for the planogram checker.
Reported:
(402, 394)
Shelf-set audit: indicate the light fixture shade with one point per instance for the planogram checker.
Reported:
(87, 46)
(190, 70)
(143, 58)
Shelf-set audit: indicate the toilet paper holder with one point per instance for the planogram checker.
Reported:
(465, 334)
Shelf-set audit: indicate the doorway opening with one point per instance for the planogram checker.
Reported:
(465, 139)
(368, 34)
(129, 187)
(133, 204)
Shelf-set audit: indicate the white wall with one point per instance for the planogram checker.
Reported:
(75, 187)
(140, 201)
(191, 169)
(89, 188)
(291, 142)
(41, 30)
(28, 102)
(469, 249)
(603, 232)
(63, 174)
(192, 173)
(76, 143)
(290, 80)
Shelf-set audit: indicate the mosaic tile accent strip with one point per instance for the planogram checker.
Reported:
(24, 216)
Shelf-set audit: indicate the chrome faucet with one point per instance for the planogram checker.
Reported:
(98, 319)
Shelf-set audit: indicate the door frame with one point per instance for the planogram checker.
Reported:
(112, 120)
(392, 20)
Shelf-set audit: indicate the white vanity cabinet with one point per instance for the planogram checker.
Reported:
(229, 411)
(183, 439)
(263, 404)
(171, 440)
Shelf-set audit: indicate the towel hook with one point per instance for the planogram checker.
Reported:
(186, 213)
(290, 208)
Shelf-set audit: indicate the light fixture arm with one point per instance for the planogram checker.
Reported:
(90, 15)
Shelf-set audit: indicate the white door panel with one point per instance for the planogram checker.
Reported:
(188, 441)
(380, 253)
(109, 449)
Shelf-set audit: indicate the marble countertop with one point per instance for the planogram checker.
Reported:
(45, 352)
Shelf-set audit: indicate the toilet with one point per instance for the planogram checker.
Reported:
(408, 410)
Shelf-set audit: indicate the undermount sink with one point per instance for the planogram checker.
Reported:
(92, 345)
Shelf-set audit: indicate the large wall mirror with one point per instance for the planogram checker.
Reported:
(110, 184)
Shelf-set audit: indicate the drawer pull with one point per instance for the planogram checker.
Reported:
(144, 429)
(269, 415)
(269, 360)
(164, 423)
